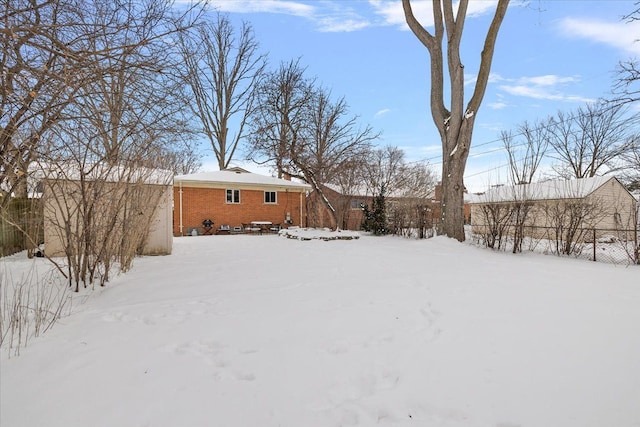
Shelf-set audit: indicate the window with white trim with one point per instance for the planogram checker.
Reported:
(233, 196)
(270, 197)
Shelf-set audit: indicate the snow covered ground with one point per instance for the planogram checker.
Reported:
(265, 331)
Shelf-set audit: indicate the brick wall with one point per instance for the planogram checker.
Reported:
(199, 204)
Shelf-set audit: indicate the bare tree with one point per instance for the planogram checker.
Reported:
(222, 72)
(454, 123)
(526, 150)
(98, 215)
(525, 155)
(132, 107)
(40, 71)
(631, 164)
(627, 86)
(50, 49)
(413, 199)
(283, 103)
(118, 118)
(568, 220)
(626, 89)
(349, 182)
(494, 220)
(592, 140)
(407, 188)
(383, 169)
(183, 159)
(332, 141)
(302, 133)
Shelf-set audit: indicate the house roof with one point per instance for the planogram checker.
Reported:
(363, 191)
(227, 177)
(548, 190)
(102, 171)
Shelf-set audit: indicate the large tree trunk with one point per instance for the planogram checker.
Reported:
(454, 162)
(455, 124)
(452, 212)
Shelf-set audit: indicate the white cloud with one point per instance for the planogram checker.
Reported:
(382, 112)
(479, 8)
(497, 105)
(265, 6)
(548, 80)
(341, 24)
(540, 92)
(327, 16)
(545, 87)
(472, 78)
(393, 14)
(495, 77)
(341, 16)
(621, 35)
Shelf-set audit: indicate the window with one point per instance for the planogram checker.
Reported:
(233, 196)
(270, 197)
(357, 204)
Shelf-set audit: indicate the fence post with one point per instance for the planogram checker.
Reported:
(594, 244)
(636, 234)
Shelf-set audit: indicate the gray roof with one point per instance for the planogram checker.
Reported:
(236, 177)
(547, 190)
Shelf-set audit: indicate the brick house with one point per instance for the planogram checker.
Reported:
(234, 198)
(348, 208)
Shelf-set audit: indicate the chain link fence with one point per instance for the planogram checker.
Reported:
(617, 246)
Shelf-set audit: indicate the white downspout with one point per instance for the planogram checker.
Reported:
(180, 192)
(301, 200)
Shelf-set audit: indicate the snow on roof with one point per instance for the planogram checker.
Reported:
(548, 190)
(363, 191)
(98, 171)
(237, 177)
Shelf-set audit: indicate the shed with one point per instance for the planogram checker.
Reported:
(116, 193)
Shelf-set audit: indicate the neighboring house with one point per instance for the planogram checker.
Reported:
(114, 195)
(437, 205)
(600, 203)
(349, 207)
(234, 198)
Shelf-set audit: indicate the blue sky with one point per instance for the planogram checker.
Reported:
(551, 55)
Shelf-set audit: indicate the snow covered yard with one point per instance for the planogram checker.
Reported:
(248, 331)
